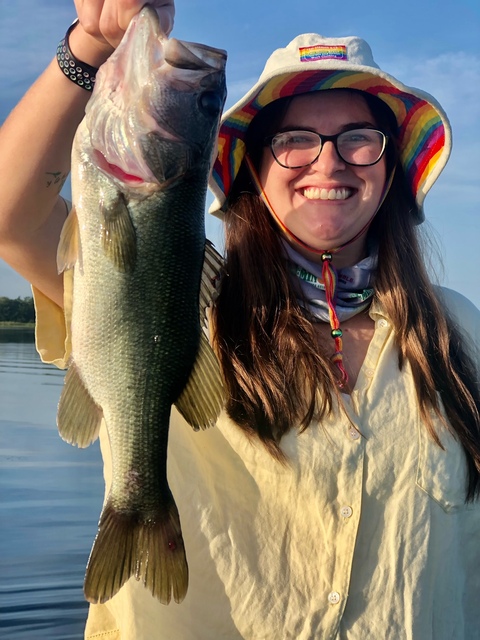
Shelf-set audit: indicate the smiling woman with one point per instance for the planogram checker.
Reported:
(301, 198)
(338, 240)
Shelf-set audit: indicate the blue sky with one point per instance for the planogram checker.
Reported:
(432, 44)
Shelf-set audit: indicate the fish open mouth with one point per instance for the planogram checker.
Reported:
(137, 138)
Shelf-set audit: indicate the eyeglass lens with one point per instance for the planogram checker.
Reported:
(361, 147)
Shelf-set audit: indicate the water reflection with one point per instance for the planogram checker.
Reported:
(51, 496)
(7, 335)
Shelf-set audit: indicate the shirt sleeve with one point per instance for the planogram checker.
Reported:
(52, 330)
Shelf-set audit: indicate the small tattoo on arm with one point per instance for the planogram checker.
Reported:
(56, 179)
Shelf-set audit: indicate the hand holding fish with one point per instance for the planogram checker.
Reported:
(102, 25)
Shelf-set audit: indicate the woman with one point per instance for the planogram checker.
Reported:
(336, 496)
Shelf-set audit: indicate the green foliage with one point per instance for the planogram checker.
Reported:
(17, 310)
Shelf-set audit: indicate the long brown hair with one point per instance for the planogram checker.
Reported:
(276, 374)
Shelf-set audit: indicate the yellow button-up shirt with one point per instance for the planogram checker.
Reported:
(363, 534)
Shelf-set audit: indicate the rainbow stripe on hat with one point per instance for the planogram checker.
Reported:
(422, 133)
(323, 52)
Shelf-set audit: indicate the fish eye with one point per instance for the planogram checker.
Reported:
(210, 102)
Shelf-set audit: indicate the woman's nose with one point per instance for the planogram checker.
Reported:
(328, 162)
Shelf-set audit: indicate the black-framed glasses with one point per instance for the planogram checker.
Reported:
(297, 149)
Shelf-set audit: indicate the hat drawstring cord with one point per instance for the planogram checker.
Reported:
(329, 277)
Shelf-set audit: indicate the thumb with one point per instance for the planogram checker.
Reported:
(166, 14)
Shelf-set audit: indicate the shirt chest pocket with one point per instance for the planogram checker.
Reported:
(442, 473)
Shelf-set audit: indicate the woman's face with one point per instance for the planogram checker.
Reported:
(301, 198)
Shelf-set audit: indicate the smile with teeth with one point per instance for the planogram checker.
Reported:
(314, 193)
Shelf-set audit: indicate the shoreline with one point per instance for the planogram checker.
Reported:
(17, 325)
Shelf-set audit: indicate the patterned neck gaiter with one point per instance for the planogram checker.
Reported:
(353, 291)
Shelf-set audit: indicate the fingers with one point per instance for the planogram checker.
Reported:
(107, 20)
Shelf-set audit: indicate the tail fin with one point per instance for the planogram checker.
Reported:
(149, 548)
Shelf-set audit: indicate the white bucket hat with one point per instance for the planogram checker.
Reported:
(313, 63)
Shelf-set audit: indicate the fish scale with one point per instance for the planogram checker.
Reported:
(142, 279)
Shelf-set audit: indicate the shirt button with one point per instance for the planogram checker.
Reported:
(382, 323)
(369, 373)
(334, 597)
(346, 512)
(353, 433)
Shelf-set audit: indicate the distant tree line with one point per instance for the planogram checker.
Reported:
(17, 310)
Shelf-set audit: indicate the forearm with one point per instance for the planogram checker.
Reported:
(35, 144)
(36, 141)
(35, 148)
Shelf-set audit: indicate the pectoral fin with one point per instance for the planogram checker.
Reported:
(78, 416)
(119, 239)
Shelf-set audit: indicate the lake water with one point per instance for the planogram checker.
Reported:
(50, 500)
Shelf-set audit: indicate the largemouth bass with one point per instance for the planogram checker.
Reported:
(142, 277)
